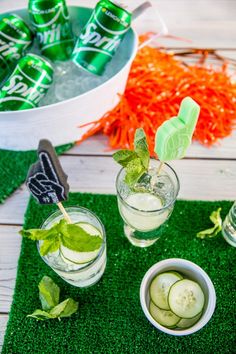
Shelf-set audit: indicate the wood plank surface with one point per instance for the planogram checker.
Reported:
(98, 145)
(3, 325)
(199, 179)
(9, 253)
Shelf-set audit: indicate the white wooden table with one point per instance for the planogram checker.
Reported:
(206, 174)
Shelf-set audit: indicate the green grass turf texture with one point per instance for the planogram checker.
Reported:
(14, 166)
(110, 318)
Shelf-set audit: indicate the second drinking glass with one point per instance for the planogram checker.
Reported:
(78, 269)
(147, 206)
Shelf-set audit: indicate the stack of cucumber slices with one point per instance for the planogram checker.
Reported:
(175, 302)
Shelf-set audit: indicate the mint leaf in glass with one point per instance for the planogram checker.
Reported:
(38, 234)
(77, 239)
(141, 147)
(134, 171)
(49, 293)
(65, 308)
(213, 231)
(50, 237)
(42, 234)
(136, 163)
(71, 236)
(50, 246)
(123, 157)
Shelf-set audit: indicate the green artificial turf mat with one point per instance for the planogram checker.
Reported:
(14, 166)
(110, 318)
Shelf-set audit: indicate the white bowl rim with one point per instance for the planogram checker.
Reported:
(134, 51)
(211, 301)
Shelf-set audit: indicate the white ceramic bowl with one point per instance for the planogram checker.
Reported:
(59, 122)
(191, 271)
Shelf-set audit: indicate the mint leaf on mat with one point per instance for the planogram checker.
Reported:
(41, 315)
(65, 308)
(49, 293)
(213, 231)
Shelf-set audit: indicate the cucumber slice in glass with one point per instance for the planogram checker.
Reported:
(160, 287)
(71, 257)
(188, 322)
(163, 317)
(186, 298)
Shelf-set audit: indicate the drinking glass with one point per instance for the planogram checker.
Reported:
(80, 275)
(147, 206)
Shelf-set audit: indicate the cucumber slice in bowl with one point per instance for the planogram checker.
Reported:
(163, 317)
(160, 287)
(186, 298)
(188, 322)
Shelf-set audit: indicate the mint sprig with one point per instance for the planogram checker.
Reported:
(213, 231)
(135, 162)
(49, 294)
(141, 147)
(84, 243)
(71, 236)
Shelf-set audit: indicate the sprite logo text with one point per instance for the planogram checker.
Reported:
(56, 33)
(52, 29)
(17, 87)
(101, 37)
(9, 49)
(103, 42)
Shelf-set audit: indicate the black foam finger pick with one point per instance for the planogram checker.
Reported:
(46, 179)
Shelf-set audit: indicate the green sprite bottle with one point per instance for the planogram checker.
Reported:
(27, 85)
(101, 36)
(50, 19)
(15, 38)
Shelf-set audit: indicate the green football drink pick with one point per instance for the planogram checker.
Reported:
(174, 136)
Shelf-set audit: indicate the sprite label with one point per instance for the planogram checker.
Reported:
(101, 36)
(50, 20)
(27, 85)
(15, 38)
